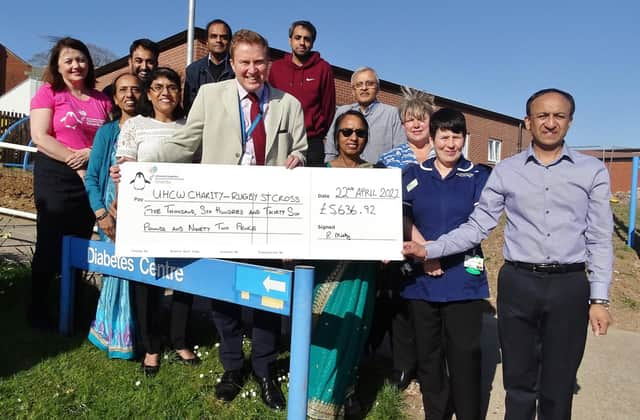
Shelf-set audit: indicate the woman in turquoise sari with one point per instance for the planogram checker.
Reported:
(343, 300)
(112, 330)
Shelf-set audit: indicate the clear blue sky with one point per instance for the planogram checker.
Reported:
(491, 54)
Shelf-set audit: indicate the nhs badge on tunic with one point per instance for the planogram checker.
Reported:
(412, 185)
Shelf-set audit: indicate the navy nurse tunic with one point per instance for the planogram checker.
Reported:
(437, 206)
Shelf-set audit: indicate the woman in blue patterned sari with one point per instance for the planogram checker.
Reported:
(113, 328)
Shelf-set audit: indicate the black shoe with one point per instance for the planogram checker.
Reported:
(230, 385)
(400, 379)
(195, 360)
(270, 392)
(150, 371)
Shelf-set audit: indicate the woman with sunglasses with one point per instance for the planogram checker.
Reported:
(343, 301)
(112, 330)
(160, 116)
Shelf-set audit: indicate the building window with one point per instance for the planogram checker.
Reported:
(494, 150)
(465, 149)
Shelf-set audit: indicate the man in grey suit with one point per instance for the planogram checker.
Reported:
(244, 121)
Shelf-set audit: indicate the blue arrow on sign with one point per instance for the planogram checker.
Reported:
(272, 283)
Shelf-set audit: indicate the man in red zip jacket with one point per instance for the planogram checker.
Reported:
(309, 78)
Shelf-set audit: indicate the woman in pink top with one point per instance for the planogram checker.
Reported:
(66, 112)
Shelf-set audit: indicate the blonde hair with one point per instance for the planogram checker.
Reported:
(416, 104)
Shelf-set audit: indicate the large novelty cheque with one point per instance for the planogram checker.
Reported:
(220, 211)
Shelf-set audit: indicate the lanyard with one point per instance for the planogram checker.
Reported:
(247, 133)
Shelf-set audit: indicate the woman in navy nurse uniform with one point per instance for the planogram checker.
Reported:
(447, 309)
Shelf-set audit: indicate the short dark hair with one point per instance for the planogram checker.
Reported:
(336, 126)
(147, 44)
(539, 93)
(52, 72)
(306, 25)
(144, 105)
(447, 119)
(220, 22)
(116, 112)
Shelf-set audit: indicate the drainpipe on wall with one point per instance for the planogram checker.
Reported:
(519, 137)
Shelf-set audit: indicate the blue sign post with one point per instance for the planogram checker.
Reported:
(250, 285)
(633, 202)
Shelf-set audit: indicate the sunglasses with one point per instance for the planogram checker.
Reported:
(360, 133)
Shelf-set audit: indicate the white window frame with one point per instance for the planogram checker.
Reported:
(465, 149)
(494, 150)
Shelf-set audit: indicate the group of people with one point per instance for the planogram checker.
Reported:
(242, 109)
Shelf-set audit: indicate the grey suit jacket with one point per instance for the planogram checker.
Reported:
(214, 124)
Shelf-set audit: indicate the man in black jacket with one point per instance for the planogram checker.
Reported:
(214, 67)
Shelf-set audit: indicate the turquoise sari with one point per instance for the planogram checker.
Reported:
(112, 331)
(344, 296)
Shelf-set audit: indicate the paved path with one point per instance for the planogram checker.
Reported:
(609, 379)
(17, 238)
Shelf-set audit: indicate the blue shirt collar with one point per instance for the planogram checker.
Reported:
(566, 153)
(369, 109)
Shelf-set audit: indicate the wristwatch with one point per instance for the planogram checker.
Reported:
(603, 302)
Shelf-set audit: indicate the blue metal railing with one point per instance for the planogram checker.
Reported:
(25, 161)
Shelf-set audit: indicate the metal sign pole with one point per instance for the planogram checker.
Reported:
(633, 202)
(300, 342)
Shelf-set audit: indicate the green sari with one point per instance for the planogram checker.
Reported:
(344, 297)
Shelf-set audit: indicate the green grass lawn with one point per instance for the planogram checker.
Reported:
(45, 375)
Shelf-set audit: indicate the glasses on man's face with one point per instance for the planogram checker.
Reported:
(368, 83)
(159, 88)
(347, 132)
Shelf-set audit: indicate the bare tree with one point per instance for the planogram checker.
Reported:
(100, 55)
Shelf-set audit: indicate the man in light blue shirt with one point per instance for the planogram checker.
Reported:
(558, 258)
(385, 127)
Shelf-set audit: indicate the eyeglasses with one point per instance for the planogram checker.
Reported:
(347, 132)
(368, 83)
(159, 88)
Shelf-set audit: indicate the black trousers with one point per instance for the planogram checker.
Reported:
(391, 316)
(403, 342)
(264, 336)
(447, 338)
(315, 152)
(63, 209)
(150, 322)
(542, 324)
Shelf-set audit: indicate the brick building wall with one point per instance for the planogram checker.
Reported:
(13, 70)
(620, 173)
(482, 124)
(174, 57)
(619, 164)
